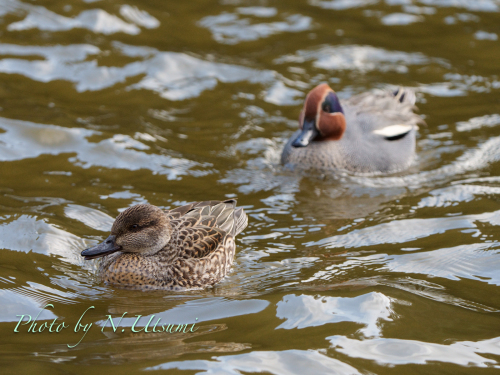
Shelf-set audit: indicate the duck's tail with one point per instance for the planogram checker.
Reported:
(231, 219)
(405, 95)
(240, 221)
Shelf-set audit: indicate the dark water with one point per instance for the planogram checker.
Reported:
(106, 104)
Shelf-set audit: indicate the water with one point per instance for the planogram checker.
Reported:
(109, 104)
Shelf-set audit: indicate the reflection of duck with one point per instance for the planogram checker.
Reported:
(368, 133)
(187, 247)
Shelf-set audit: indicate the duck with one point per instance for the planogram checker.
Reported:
(191, 246)
(369, 133)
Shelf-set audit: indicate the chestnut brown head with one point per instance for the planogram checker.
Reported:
(322, 117)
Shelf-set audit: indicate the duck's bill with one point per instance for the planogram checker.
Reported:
(307, 135)
(105, 248)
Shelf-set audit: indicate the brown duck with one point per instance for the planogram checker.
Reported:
(191, 246)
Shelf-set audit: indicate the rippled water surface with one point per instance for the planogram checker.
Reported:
(106, 104)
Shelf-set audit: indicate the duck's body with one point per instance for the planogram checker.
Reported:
(191, 246)
(368, 133)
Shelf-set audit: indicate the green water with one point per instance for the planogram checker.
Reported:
(109, 104)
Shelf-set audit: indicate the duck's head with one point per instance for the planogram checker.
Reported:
(322, 117)
(141, 229)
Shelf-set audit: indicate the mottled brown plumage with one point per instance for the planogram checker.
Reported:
(191, 246)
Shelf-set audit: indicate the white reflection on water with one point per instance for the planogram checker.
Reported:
(479, 261)
(308, 311)
(279, 94)
(26, 233)
(258, 11)
(289, 362)
(93, 218)
(133, 197)
(455, 194)
(400, 19)
(484, 35)
(474, 5)
(24, 139)
(400, 352)
(459, 84)
(174, 76)
(419, 10)
(30, 297)
(14, 303)
(96, 20)
(196, 311)
(139, 17)
(475, 261)
(360, 58)
(341, 4)
(479, 122)
(401, 231)
(229, 28)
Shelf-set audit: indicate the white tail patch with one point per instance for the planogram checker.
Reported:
(394, 131)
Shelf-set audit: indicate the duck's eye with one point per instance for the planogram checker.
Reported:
(135, 226)
(331, 104)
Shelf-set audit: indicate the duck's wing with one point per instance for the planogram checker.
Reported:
(220, 214)
(201, 227)
(385, 113)
(395, 132)
(198, 241)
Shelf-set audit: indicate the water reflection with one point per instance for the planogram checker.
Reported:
(308, 311)
(275, 362)
(478, 6)
(400, 19)
(477, 262)
(13, 303)
(96, 20)
(454, 195)
(360, 58)
(27, 233)
(90, 217)
(402, 231)
(341, 4)
(175, 76)
(193, 311)
(229, 28)
(120, 151)
(399, 352)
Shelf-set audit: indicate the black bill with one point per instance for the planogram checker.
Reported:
(105, 248)
(307, 134)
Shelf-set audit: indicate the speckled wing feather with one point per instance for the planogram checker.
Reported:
(204, 241)
(227, 218)
(200, 227)
(198, 241)
(192, 272)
